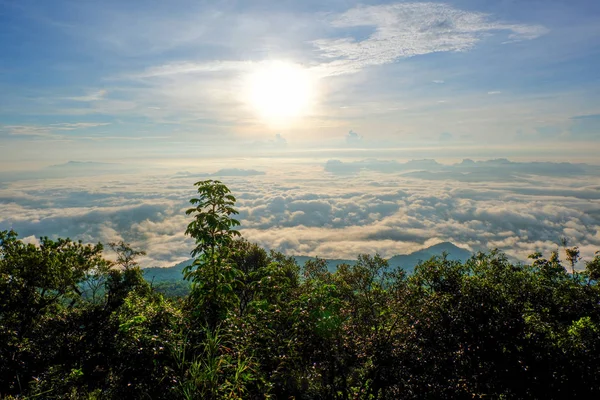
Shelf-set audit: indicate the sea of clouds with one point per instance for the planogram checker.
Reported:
(326, 208)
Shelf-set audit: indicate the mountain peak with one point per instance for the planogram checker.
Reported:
(444, 246)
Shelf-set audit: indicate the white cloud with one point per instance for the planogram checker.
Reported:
(92, 96)
(69, 126)
(193, 67)
(48, 131)
(300, 209)
(410, 29)
(27, 130)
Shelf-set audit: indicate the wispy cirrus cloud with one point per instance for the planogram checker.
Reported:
(399, 30)
(179, 71)
(92, 96)
(26, 130)
(191, 67)
(68, 126)
(48, 131)
(410, 29)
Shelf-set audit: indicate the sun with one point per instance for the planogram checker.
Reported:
(280, 91)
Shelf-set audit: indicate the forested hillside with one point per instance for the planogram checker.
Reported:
(170, 281)
(74, 325)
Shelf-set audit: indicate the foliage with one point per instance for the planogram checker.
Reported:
(255, 325)
(212, 276)
(173, 289)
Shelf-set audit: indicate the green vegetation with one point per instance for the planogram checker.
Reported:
(255, 325)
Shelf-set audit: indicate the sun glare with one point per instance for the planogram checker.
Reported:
(280, 91)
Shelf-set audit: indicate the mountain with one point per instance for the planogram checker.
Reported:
(467, 170)
(404, 261)
(409, 261)
(158, 274)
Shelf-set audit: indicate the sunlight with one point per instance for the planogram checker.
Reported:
(280, 91)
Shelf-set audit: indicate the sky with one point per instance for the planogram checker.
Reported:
(93, 80)
(310, 110)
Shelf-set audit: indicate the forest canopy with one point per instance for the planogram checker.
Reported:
(256, 325)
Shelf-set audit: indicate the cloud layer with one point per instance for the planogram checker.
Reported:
(410, 29)
(306, 210)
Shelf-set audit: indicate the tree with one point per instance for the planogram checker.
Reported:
(121, 281)
(212, 276)
(36, 283)
(592, 268)
(126, 256)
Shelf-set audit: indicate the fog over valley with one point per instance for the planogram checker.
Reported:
(329, 208)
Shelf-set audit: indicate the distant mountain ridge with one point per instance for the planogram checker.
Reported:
(466, 170)
(405, 261)
(408, 262)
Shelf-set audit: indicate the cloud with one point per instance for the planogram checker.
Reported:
(76, 125)
(279, 141)
(48, 131)
(303, 210)
(333, 227)
(237, 172)
(576, 128)
(438, 81)
(182, 68)
(493, 92)
(27, 130)
(409, 29)
(93, 96)
(353, 138)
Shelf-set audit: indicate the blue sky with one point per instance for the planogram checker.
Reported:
(91, 80)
